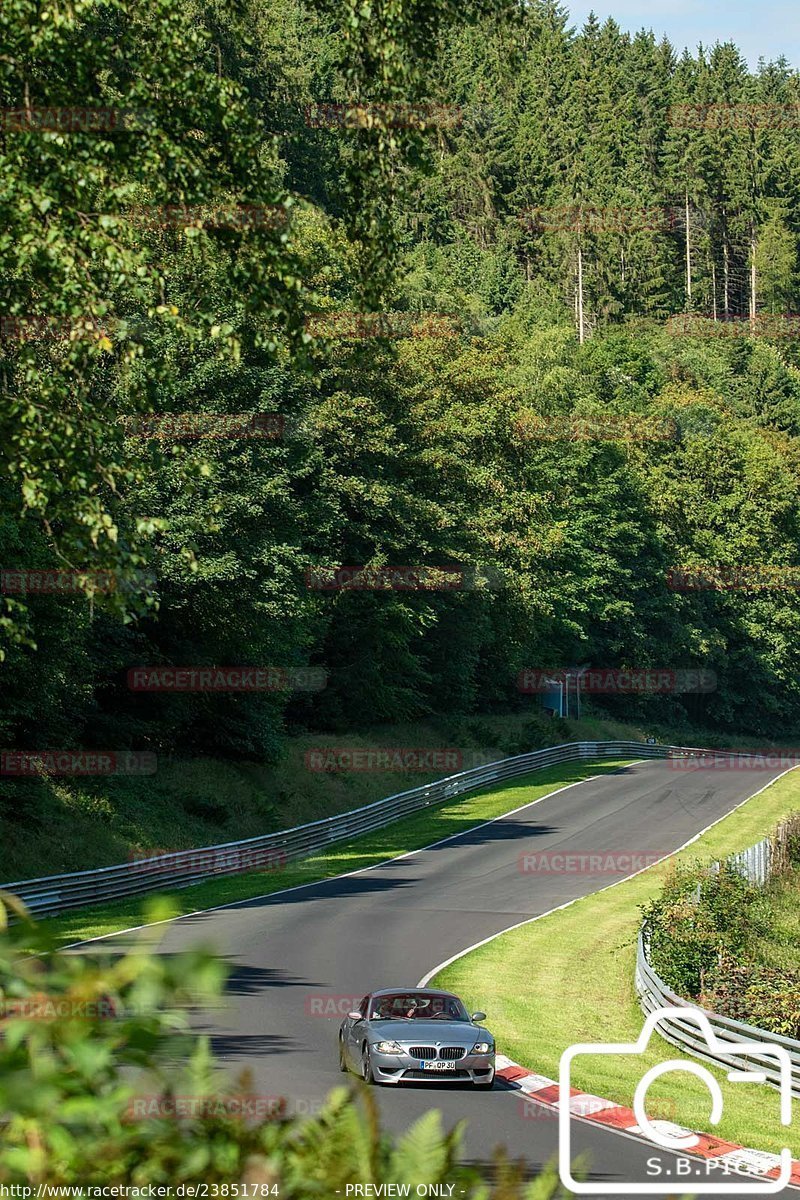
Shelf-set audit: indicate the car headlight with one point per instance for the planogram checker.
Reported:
(483, 1048)
(388, 1048)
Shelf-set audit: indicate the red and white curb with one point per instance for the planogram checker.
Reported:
(607, 1112)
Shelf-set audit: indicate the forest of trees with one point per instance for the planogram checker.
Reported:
(560, 212)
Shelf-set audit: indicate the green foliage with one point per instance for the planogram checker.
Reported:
(789, 838)
(701, 916)
(409, 451)
(414, 451)
(729, 944)
(383, 52)
(765, 997)
(87, 297)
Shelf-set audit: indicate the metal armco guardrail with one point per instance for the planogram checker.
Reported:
(55, 894)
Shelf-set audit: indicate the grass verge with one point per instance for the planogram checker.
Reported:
(429, 825)
(569, 978)
(781, 949)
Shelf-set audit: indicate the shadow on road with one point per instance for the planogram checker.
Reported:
(248, 1045)
(246, 980)
(374, 880)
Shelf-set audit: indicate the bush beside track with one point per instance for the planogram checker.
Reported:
(731, 944)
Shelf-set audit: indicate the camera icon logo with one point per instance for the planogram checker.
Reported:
(674, 1138)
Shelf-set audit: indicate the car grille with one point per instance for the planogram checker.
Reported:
(428, 1052)
(436, 1075)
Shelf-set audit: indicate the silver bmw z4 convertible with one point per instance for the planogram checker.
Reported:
(398, 1036)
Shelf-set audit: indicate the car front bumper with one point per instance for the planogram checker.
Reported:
(402, 1068)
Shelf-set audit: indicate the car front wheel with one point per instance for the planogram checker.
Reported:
(366, 1065)
(342, 1059)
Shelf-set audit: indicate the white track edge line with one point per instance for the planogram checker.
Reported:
(540, 916)
(528, 921)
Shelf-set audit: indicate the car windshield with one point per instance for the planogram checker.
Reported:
(417, 1006)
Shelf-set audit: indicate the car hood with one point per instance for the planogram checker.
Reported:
(428, 1033)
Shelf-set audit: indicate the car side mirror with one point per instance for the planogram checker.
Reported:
(479, 1016)
(354, 1016)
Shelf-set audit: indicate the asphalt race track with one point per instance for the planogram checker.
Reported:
(300, 953)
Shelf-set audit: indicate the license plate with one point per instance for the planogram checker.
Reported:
(438, 1066)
